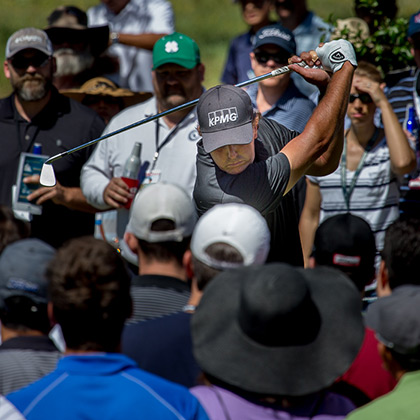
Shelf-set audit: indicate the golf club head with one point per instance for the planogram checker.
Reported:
(47, 178)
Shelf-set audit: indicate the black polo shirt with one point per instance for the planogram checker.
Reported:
(61, 125)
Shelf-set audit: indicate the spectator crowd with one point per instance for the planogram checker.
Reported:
(252, 255)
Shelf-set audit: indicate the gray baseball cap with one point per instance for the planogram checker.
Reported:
(396, 320)
(225, 115)
(28, 38)
(22, 270)
(238, 225)
(162, 201)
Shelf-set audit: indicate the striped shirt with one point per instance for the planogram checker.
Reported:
(24, 360)
(375, 197)
(402, 93)
(155, 296)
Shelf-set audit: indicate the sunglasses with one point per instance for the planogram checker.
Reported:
(263, 57)
(364, 98)
(20, 62)
(257, 3)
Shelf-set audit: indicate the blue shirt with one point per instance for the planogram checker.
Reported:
(163, 346)
(238, 64)
(293, 109)
(104, 386)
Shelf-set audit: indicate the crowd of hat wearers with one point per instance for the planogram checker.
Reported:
(262, 330)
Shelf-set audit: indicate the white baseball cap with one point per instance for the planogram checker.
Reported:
(238, 225)
(162, 201)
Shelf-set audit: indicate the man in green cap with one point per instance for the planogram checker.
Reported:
(168, 143)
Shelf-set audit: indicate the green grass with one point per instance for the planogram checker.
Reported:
(212, 23)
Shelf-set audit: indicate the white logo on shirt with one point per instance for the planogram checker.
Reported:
(171, 47)
(221, 116)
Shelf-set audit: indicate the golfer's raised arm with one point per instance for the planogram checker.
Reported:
(318, 149)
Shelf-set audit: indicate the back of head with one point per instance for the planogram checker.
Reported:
(396, 322)
(278, 330)
(162, 218)
(11, 228)
(90, 293)
(23, 285)
(228, 236)
(346, 242)
(401, 252)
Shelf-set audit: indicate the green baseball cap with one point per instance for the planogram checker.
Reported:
(178, 49)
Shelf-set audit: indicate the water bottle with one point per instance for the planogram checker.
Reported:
(131, 172)
(37, 149)
(410, 122)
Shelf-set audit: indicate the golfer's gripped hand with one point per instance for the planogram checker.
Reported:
(312, 72)
(335, 53)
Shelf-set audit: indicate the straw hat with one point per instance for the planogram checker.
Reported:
(104, 87)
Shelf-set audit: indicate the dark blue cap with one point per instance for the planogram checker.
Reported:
(414, 24)
(275, 34)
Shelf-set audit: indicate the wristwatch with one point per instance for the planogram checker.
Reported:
(114, 37)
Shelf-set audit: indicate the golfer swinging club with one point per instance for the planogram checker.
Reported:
(243, 157)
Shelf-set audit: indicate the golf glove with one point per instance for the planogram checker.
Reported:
(335, 53)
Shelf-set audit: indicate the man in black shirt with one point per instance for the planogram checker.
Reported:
(37, 113)
(238, 156)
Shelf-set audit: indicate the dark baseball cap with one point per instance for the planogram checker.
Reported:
(414, 24)
(275, 34)
(28, 38)
(396, 320)
(346, 241)
(22, 270)
(225, 115)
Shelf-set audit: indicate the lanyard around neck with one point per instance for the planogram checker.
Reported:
(347, 192)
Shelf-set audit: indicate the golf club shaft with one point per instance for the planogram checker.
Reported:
(274, 73)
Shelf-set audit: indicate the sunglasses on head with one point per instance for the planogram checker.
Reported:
(364, 98)
(279, 58)
(20, 62)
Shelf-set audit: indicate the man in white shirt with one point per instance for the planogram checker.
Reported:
(168, 143)
(151, 18)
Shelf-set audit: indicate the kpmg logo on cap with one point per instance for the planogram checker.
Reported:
(171, 47)
(274, 32)
(221, 116)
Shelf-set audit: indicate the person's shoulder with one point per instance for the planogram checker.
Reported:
(23, 397)
(318, 22)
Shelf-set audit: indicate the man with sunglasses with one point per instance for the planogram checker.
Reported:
(36, 113)
(277, 97)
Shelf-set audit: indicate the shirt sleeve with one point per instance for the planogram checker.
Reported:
(162, 17)
(96, 175)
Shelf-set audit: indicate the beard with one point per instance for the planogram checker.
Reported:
(31, 88)
(173, 97)
(70, 62)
